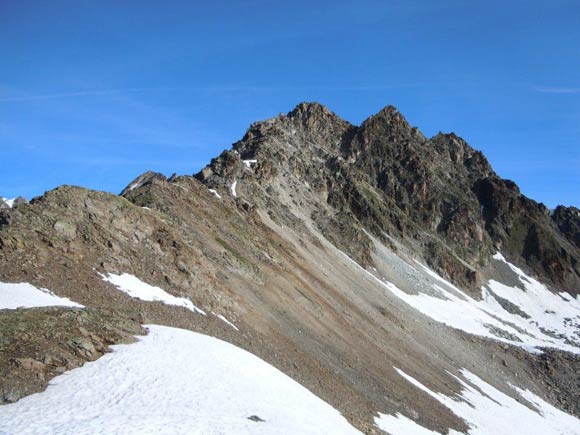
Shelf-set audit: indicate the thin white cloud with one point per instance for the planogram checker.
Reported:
(106, 92)
(79, 94)
(559, 90)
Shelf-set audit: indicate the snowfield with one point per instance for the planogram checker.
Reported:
(538, 318)
(24, 295)
(136, 288)
(174, 381)
(488, 411)
(529, 315)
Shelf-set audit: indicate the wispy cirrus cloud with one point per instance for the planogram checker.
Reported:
(90, 93)
(124, 91)
(558, 90)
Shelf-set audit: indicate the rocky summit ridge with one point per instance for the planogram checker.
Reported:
(384, 177)
(362, 261)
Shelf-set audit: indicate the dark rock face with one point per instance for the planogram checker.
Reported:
(524, 229)
(385, 179)
(567, 219)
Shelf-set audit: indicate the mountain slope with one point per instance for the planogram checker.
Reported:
(342, 254)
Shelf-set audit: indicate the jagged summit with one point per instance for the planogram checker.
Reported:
(308, 113)
(309, 109)
(389, 114)
(141, 180)
(387, 179)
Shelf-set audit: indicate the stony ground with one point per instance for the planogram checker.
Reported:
(37, 344)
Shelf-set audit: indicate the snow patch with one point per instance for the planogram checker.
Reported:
(24, 295)
(9, 202)
(233, 188)
(489, 318)
(548, 314)
(223, 319)
(174, 381)
(138, 289)
(134, 186)
(249, 163)
(487, 410)
(498, 256)
(218, 196)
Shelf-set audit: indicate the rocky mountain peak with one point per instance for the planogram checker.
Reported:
(388, 113)
(386, 179)
(316, 125)
(143, 179)
(387, 118)
(309, 109)
(386, 131)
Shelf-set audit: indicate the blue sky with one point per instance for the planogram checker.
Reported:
(94, 93)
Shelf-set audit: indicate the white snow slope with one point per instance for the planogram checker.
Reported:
(24, 295)
(488, 411)
(136, 288)
(173, 381)
(542, 318)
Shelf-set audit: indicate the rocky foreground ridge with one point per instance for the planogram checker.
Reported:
(295, 235)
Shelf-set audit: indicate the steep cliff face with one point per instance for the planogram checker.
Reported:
(568, 221)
